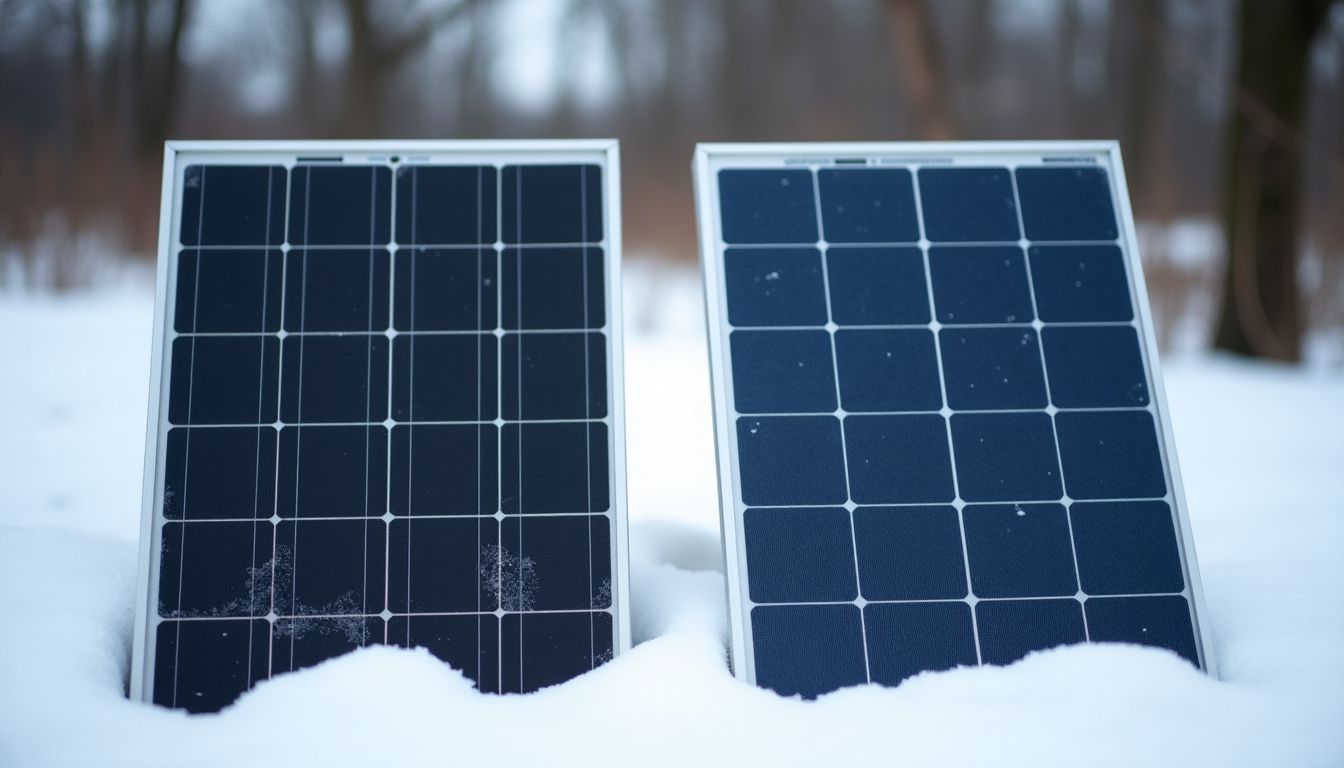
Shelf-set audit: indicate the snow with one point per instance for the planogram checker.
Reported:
(1261, 453)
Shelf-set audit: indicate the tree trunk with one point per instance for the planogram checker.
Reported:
(922, 69)
(1262, 184)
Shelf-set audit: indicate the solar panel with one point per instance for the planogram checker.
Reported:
(941, 434)
(386, 408)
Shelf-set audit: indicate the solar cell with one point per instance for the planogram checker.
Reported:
(387, 409)
(940, 437)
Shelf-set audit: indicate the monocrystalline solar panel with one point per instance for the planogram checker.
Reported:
(941, 435)
(386, 409)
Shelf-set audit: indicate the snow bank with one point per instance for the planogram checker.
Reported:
(1261, 454)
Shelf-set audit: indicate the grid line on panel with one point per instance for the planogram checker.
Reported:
(587, 406)
(410, 407)
(518, 224)
(1049, 399)
(387, 452)
(279, 388)
(298, 436)
(368, 394)
(844, 450)
(479, 396)
(947, 423)
(499, 413)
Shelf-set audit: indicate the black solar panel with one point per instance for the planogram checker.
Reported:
(390, 413)
(939, 442)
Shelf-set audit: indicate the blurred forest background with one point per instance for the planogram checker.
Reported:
(1230, 114)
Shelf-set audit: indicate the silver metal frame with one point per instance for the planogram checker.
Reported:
(179, 154)
(710, 158)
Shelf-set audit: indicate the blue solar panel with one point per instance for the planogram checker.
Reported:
(390, 415)
(937, 417)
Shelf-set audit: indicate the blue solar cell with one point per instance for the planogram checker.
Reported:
(905, 639)
(233, 205)
(446, 204)
(205, 665)
(1110, 455)
(340, 205)
(468, 643)
(436, 565)
(232, 473)
(554, 468)
(883, 370)
(877, 286)
(1126, 547)
(443, 377)
(992, 368)
(808, 650)
(1080, 283)
(767, 206)
(965, 205)
(898, 459)
(329, 568)
(1005, 457)
(300, 643)
(782, 372)
(791, 460)
(554, 376)
(538, 570)
(215, 569)
(980, 284)
(552, 204)
(1161, 621)
(228, 291)
(332, 471)
(553, 288)
(1019, 550)
(774, 286)
(1066, 203)
(444, 469)
(799, 555)
(451, 289)
(538, 650)
(336, 290)
(1095, 367)
(223, 380)
(1010, 629)
(909, 553)
(868, 205)
(332, 367)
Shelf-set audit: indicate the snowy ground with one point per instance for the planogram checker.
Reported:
(1263, 459)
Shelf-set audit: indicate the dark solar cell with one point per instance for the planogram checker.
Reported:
(769, 286)
(330, 471)
(541, 567)
(1110, 455)
(868, 205)
(330, 568)
(448, 289)
(909, 553)
(992, 368)
(883, 370)
(1010, 629)
(228, 291)
(214, 569)
(232, 473)
(223, 380)
(782, 371)
(1126, 547)
(877, 286)
(905, 639)
(1019, 550)
(538, 650)
(800, 555)
(552, 204)
(963, 205)
(1159, 621)
(468, 643)
(1080, 283)
(336, 290)
(444, 469)
(898, 459)
(791, 460)
(768, 206)
(553, 288)
(808, 649)
(554, 376)
(448, 377)
(446, 204)
(978, 285)
(1066, 203)
(233, 205)
(551, 468)
(340, 205)
(443, 565)
(1005, 457)
(300, 643)
(1095, 367)
(346, 379)
(204, 665)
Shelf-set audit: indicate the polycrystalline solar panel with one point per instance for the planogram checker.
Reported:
(940, 442)
(387, 410)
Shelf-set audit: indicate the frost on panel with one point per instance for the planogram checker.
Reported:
(513, 579)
